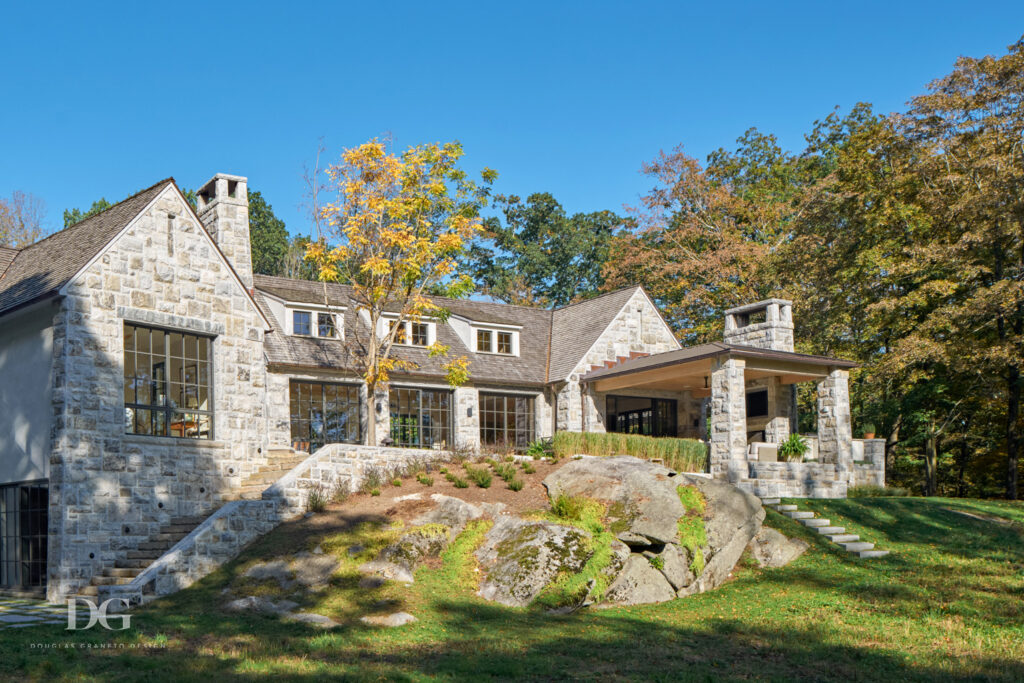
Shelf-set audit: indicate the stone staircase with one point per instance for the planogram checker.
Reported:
(836, 534)
(137, 560)
(280, 461)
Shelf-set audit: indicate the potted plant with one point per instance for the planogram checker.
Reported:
(793, 448)
(869, 431)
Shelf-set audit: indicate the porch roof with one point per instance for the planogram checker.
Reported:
(689, 369)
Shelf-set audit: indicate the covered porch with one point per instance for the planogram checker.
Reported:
(742, 401)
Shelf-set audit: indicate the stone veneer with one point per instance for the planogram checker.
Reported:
(110, 491)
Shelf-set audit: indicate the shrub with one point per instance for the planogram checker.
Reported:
(528, 468)
(460, 483)
(425, 479)
(319, 496)
(506, 471)
(479, 476)
(682, 455)
(516, 484)
(375, 492)
(541, 448)
(870, 491)
(396, 482)
(793, 448)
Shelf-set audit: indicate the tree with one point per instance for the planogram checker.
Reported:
(21, 219)
(396, 228)
(539, 256)
(267, 235)
(295, 264)
(72, 216)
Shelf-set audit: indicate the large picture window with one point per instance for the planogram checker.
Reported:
(323, 413)
(167, 383)
(506, 421)
(420, 418)
(637, 415)
(23, 528)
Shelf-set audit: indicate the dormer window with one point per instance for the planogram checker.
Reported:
(501, 342)
(421, 334)
(302, 323)
(326, 325)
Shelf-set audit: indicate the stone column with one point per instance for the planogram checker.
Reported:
(779, 407)
(382, 415)
(835, 433)
(467, 418)
(594, 406)
(570, 407)
(728, 453)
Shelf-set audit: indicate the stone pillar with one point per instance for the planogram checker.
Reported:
(381, 414)
(570, 407)
(835, 432)
(780, 409)
(467, 418)
(728, 452)
(594, 407)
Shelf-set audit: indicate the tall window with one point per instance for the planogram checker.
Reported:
(636, 415)
(167, 383)
(302, 322)
(323, 413)
(483, 341)
(420, 418)
(506, 421)
(23, 529)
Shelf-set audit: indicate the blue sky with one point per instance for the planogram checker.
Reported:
(105, 99)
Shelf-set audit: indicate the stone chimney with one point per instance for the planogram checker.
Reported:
(223, 207)
(766, 324)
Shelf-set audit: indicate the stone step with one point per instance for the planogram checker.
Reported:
(139, 564)
(110, 580)
(814, 522)
(831, 530)
(843, 538)
(123, 572)
(89, 591)
(154, 545)
(857, 546)
(785, 508)
(872, 553)
(770, 501)
(799, 514)
(149, 555)
(281, 465)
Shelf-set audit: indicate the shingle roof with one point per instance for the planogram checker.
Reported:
(575, 328)
(527, 368)
(41, 269)
(6, 256)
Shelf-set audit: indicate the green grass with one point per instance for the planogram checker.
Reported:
(682, 455)
(692, 533)
(948, 604)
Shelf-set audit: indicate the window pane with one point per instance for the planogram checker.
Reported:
(505, 342)
(419, 334)
(483, 341)
(325, 325)
(301, 322)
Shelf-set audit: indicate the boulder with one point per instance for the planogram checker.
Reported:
(520, 557)
(772, 548)
(255, 603)
(732, 519)
(276, 570)
(312, 570)
(639, 583)
(641, 493)
(397, 562)
(311, 618)
(451, 512)
(389, 620)
(675, 565)
(385, 570)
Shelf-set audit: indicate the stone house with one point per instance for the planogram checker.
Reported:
(147, 376)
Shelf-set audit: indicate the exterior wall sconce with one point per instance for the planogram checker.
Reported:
(469, 411)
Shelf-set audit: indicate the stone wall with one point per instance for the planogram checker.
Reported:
(638, 328)
(869, 470)
(775, 332)
(109, 491)
(728, 449)
(794, 480)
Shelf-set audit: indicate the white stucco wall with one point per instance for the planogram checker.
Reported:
(26, 371)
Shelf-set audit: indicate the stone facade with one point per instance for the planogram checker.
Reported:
(744, 325)
(110, 491)
(727, 452)
(835, 432)
(224, 210)
(638, 328)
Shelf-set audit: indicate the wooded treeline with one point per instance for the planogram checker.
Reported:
(898, 238)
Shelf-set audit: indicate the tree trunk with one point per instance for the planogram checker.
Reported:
(931, 462)
(961, 485)
(1012, 442)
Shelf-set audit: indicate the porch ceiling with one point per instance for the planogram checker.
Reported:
(690, 369)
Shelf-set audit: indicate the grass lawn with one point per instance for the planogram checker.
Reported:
(947, 604)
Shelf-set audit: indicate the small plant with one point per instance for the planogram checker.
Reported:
(793, 448)
(540, 449)
(396, 482)
(450, 477)
(373, 481)
(528, 468)
(657, 562)
(869, 431)
(443, 470)
(506, 471)
(479, 476)
(460, 483)
(425, 479)
(319, 496)
(568, 507)
(375, 492)
(516, 484)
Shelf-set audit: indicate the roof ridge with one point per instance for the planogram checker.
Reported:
(85, 221)
(599, 296)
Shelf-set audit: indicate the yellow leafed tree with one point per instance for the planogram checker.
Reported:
(394, 227)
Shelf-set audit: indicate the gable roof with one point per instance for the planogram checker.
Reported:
(7, 255)
(577, 327)
(41, 269)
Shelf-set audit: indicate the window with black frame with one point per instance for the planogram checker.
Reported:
(420, 418)
(506, 421)
(323, 413)
(639, 415)
(24, 511)
(167, 383)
